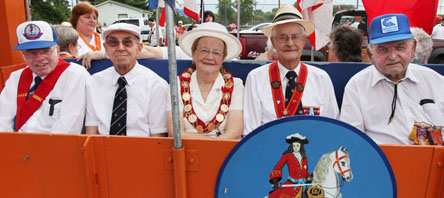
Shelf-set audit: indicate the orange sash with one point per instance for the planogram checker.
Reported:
(98, 44)
(25, 108)
(278, 96)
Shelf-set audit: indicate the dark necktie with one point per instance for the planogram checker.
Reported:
(118, 119)
(289, 90)
(37, 81)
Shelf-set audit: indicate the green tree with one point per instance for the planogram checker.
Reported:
(246, 11)
(226, 12)
(51, 11)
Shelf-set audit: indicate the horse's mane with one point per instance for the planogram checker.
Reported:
(321, 170)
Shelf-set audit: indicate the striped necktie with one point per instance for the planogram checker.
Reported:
(118, 119)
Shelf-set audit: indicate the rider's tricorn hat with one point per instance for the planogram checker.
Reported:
(296, 138)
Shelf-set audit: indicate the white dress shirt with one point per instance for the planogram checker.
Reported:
(154, 37)
(206, 110)
(438, 32)
(83, 48)
(368, 96)
(146, 101)
(258, 98)
(68, 115)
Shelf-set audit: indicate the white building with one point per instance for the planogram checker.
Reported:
(110, 11)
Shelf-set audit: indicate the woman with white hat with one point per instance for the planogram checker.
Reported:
(210, 98)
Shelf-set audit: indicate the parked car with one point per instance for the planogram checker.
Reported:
(141, 22)
(255, 29)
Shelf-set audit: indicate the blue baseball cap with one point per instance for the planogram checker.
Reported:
(35, 35)
(388, 28)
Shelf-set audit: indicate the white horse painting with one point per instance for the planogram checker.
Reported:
(327, 169)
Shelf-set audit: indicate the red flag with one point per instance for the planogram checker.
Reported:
(320, 13)
(421, 13)
(162, 18)
(190, 8)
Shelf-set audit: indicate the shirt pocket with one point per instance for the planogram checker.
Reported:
(53, 108)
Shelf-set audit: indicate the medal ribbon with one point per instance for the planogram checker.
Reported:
(97, 40)
(25, 108)
(293, 104)
(225, 102)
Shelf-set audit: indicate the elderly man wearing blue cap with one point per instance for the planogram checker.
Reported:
(128, 98)
(393, 98)
(49, 94)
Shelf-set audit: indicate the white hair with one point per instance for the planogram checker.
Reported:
(424, 45)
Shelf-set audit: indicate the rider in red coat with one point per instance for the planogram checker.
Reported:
(296, 161)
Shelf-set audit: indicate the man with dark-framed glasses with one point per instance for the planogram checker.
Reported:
(49, 94)
(126, 99)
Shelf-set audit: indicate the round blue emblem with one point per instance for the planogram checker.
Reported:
(32, 32)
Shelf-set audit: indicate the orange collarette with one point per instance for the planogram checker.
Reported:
(97, 40)
(278, 96)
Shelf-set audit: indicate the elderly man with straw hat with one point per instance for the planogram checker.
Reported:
(287, 87)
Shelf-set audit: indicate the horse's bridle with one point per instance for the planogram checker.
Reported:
(341, 172)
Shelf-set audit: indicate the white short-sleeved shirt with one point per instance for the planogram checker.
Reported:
(368, 96)
(206, 110)
(68, 115)
(179, 53)
(146, 101)
(258, 98)
(154, 37)
(438, 32)
(83, 48)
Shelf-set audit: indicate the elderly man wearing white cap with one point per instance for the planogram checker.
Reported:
(287, 87)
(49, 94)
(394, 97)
(128, 98)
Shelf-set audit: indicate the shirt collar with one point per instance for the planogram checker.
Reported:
(194, 88)
(218, 83)
(377, 76)
(129, 77)
(283, 70)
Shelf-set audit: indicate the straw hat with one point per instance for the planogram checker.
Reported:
(212, 29)
(289, 14)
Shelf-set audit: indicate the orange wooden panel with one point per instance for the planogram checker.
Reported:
(12, 13)
(411, 166)
(436, 178)
(42, 165)
(6, 71)
(141, 167)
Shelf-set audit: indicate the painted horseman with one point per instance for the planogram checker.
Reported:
(296, 161)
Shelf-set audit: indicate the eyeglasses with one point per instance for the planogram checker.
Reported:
(114, 42)
(31, 54)
(206, 52)
(284, 38)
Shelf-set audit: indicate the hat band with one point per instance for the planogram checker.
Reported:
(286, 16)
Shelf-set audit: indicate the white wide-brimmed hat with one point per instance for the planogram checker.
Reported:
(212, 29)
(289, 14)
